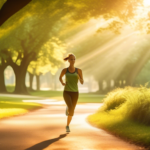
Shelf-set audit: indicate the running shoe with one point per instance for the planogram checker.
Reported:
(67, 129)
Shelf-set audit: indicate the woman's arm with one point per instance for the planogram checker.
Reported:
(80, 76)
(61, 75)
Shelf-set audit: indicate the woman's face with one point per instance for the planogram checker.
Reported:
(71, 59)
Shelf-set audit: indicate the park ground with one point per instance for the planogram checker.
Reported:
(46, 126)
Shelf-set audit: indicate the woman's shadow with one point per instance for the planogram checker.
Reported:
(44, 144)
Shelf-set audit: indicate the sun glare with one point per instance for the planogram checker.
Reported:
(146, 2)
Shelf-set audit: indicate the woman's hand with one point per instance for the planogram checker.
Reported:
(81, 80)
(63, 83)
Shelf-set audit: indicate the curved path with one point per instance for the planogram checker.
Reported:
(44, 129)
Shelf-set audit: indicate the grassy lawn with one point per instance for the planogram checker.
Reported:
(11, 106)
(83, 97)
(128, 130)
(10, 88)
(125, 113)
(14, 106)
(17, 99)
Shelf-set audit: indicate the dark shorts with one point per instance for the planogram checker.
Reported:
(71, 99)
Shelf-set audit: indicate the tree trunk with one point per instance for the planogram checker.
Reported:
(31, 81)
(108, 85)
(123, 84)
(20, 73)
(38, 82)
(117, 84)
(90, 84)
(54, 83)
(100, 83)
(2, 80)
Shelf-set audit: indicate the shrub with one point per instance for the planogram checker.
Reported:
(113, 99)
(133, 103)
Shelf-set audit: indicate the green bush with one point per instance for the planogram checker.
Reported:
(138, 108)
(114, 99)
(125, 113)
(133, 103)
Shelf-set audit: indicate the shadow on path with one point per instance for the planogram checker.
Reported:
(44, 144)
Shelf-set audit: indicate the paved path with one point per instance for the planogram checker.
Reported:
(44, 129)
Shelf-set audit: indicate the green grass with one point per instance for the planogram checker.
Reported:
(24, 105)
(50, 93)
(10, 88)
(83, 97)
(88, 98)
(17, 99)
(10, 106)
(14, 106)
(125, 113)
(128, 130)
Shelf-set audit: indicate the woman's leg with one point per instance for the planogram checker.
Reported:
(74, 99)
(69, 120)
(67, 98)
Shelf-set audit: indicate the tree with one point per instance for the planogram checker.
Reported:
(3, 65)
(36, 28)
(49, 59)
(22, 50)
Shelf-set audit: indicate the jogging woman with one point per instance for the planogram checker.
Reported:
(71, 93)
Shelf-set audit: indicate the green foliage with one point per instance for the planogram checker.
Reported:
(95, 8)
(37, 23)
(49, 58)
(114, 99)
(125, 113)
(139, 109)
(128, 130)
(10, 88)
(14, 106)
(114, 26)
(33, 36)
(121, 11)
(132, 103)
(24, 105)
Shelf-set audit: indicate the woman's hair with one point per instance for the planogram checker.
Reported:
(66, 58)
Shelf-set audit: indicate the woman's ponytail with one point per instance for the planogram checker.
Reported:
(66, 58)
